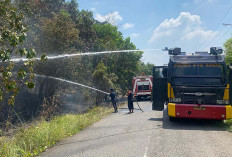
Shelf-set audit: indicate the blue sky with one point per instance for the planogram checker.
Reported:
(155, 24)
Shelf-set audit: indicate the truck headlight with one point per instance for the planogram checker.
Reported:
(220, 102)
(176, 99)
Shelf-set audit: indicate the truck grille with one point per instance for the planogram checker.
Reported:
(199, 95)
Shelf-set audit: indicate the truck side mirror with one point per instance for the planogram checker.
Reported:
(165, 72)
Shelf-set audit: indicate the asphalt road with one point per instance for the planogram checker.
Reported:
(146, 134)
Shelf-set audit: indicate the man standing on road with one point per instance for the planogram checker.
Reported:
(113, 100)
(130, 101)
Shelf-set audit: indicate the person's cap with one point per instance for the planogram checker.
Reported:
(111, 89)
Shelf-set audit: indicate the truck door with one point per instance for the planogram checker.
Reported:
(159, 90)
(230, 83)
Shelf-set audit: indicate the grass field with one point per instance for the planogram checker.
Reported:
(42, 134)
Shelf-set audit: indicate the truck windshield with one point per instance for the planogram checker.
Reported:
(198, 74)
(143, 87)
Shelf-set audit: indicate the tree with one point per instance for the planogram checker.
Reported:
(58, 34)
(85, 23)
(145, 69)
(228, 47)
(101, 80)
(60, 28)
(108, 37)
(12, 34)
(73, 11)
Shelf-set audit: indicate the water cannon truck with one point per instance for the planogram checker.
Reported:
(194, 85)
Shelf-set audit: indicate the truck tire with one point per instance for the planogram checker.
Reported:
(171, 119)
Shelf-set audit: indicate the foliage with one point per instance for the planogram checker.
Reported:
(58, 37)
(85, 24)
(228, 48)
(33, 140)
(145, 69)
(58, 34)
(12, 34)
(59, 27)
(100, 76)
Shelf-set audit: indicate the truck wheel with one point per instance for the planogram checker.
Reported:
(171, 119)
(138, 98)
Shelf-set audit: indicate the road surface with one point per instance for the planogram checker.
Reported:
(147, 134)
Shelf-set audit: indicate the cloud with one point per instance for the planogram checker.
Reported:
(113, 18)
(187, 31)
(134, 35)
(127, 26)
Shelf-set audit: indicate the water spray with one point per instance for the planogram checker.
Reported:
(71, 82)
(85, 54)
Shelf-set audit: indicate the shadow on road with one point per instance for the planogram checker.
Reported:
(190, 124)
(142, 100)
(156, 119)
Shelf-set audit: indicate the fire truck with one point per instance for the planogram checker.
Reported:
(194, 85)
(142, 86)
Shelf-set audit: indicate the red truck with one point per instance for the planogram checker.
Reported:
(142, 86)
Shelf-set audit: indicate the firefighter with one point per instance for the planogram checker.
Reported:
(113, 100)
(130, 101)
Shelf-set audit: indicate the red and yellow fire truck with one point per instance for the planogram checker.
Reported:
(142, 86)
(194, 86)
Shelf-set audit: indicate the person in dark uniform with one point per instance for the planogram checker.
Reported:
(113, 100)
(130, 101)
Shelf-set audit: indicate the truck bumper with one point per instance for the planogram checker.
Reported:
(217, 112)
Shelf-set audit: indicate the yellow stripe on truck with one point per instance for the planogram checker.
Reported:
(228, 112)
(171, 110)
(226, 93)
(170, 91)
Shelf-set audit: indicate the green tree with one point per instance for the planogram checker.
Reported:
(101, 80)
(145, 69)
(58, 34)
(108, 37)
(73, 11)
(228, 48)
(60, 27)
(85, 23)
(12, 35)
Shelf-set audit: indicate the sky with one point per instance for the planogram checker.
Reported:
(192, 25)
